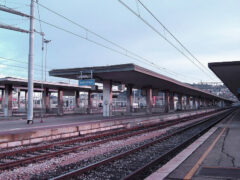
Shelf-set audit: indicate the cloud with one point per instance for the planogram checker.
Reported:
(2, 66)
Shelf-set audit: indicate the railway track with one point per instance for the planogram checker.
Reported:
(140, 161)
(11, 159)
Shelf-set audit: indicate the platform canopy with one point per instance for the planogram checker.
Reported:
(22, 83)
(229, 73)
(138, 77)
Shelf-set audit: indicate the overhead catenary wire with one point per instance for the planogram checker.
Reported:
(125, 52)
(154, 29)
(19, 61)
(174, 37)
(112, 49)
(39, 17)
(161, 35)
(17, 71)
(12, 11)
(15, 3)
(23, 69)
(137, 7)
(97, 35)
(42, 54)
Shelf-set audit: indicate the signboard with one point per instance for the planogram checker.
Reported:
(86, 82)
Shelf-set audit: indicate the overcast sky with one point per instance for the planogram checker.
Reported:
(209, 29)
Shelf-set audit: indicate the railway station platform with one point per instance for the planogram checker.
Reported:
(215, 155)
(17, 132)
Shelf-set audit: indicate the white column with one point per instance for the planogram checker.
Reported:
(60, 102)
(19, 94)
(149, 100)
(5, 107)
(129, 99)
(3, 101)
(107, 98)
(167, 101)
(8, 101)
(89, 109)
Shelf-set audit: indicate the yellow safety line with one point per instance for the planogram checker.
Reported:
(190, 174)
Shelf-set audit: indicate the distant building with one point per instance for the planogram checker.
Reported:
(216, 88)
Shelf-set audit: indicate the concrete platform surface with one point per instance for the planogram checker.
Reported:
(218, 157)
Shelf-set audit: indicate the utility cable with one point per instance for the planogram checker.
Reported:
(110, 48)
(174, 37)
(42, 54)
(126, 51)
(154, 29)
(18, 61)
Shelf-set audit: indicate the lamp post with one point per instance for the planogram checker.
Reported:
(46, 42)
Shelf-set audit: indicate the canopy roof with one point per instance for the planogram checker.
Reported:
(134, 75)
(229, 73)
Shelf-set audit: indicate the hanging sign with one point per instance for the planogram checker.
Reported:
(86, 82)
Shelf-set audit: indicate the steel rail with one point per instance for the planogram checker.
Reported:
(3, 154)
(77, 147)
(142, 171)
(115, 131)
(123, 154)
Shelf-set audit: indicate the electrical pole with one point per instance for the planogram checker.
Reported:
(30, 58)
(30, 66)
